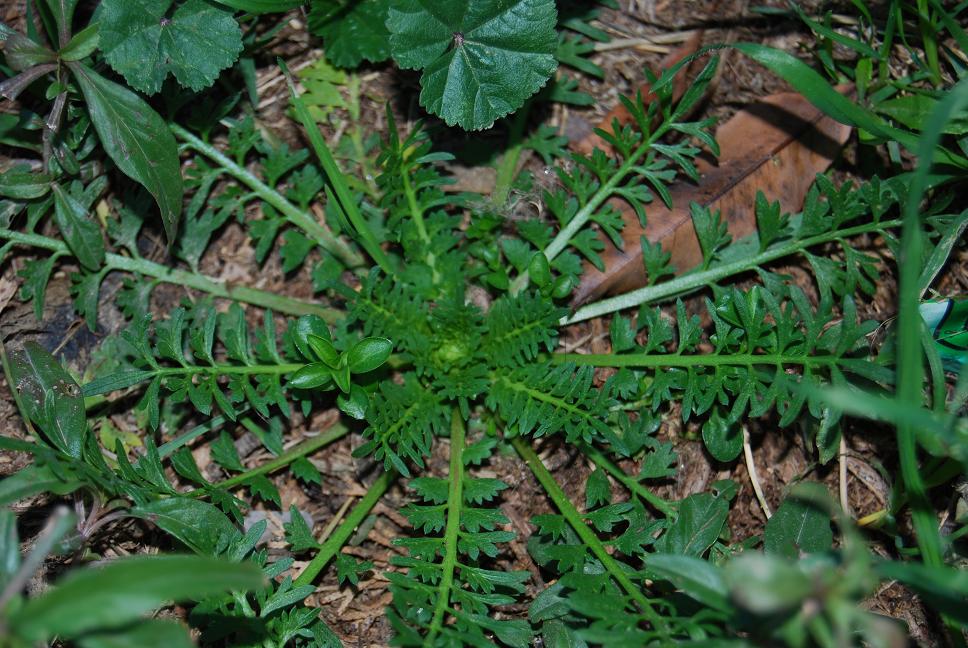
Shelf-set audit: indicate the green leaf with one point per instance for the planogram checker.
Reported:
(694, 576)
(121, 380)
(80, 232)
(82, 44)
(481, 60)
(122, 591)
(352, 31)
(766, 584)
(50, 397)
(355, 404)
(311, 376)
(368, 354)
(143, 43)
(137, 139)
(304, 327)
(9, 547)
(150, 633)
(722, 437)
(298, 534)
(323, 349)
(799, 526)
(21, 52)
(701, 519)
(199, 525)
(63, 12)
(20, 183)
(262, 6)
(36, 274)
(34, 480)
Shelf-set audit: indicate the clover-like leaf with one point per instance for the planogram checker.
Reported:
(481, 60)
(352, 31)
(144, 42)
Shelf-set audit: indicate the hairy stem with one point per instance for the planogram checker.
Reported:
(203, 283)
(695, 280)
(455, 500)
(313, 229)
(307, 447)
(587, 536)
(342, 534)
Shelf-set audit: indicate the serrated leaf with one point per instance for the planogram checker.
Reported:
(298, 533)
(137, 139)
(481, 60)
(36, 276)
(145, 44)
(50, 397)
(352, 31)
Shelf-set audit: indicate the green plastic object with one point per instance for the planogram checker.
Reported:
(948, 322)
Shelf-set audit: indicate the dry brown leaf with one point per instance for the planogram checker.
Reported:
(776, 146)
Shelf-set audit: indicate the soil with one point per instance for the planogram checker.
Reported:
(781, 456)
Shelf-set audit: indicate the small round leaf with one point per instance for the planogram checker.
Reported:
(355, 404)
(304, 327)
(323, 349)
(368, 354)
(311, 376)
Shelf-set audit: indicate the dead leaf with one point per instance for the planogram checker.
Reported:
(776, 146)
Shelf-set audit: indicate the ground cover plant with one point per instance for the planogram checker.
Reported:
(429, 367)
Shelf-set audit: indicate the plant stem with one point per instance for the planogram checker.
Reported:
(455, 500)
(587, 536)
(507, 168)
(335, 177)
(168, 448)
(342, 534)
(296, 452)
(315, 230)
(636, 488)
(656, 360)
(694, 280)
(416, 213)
(164, 274)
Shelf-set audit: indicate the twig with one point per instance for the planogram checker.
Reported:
(754, 478)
